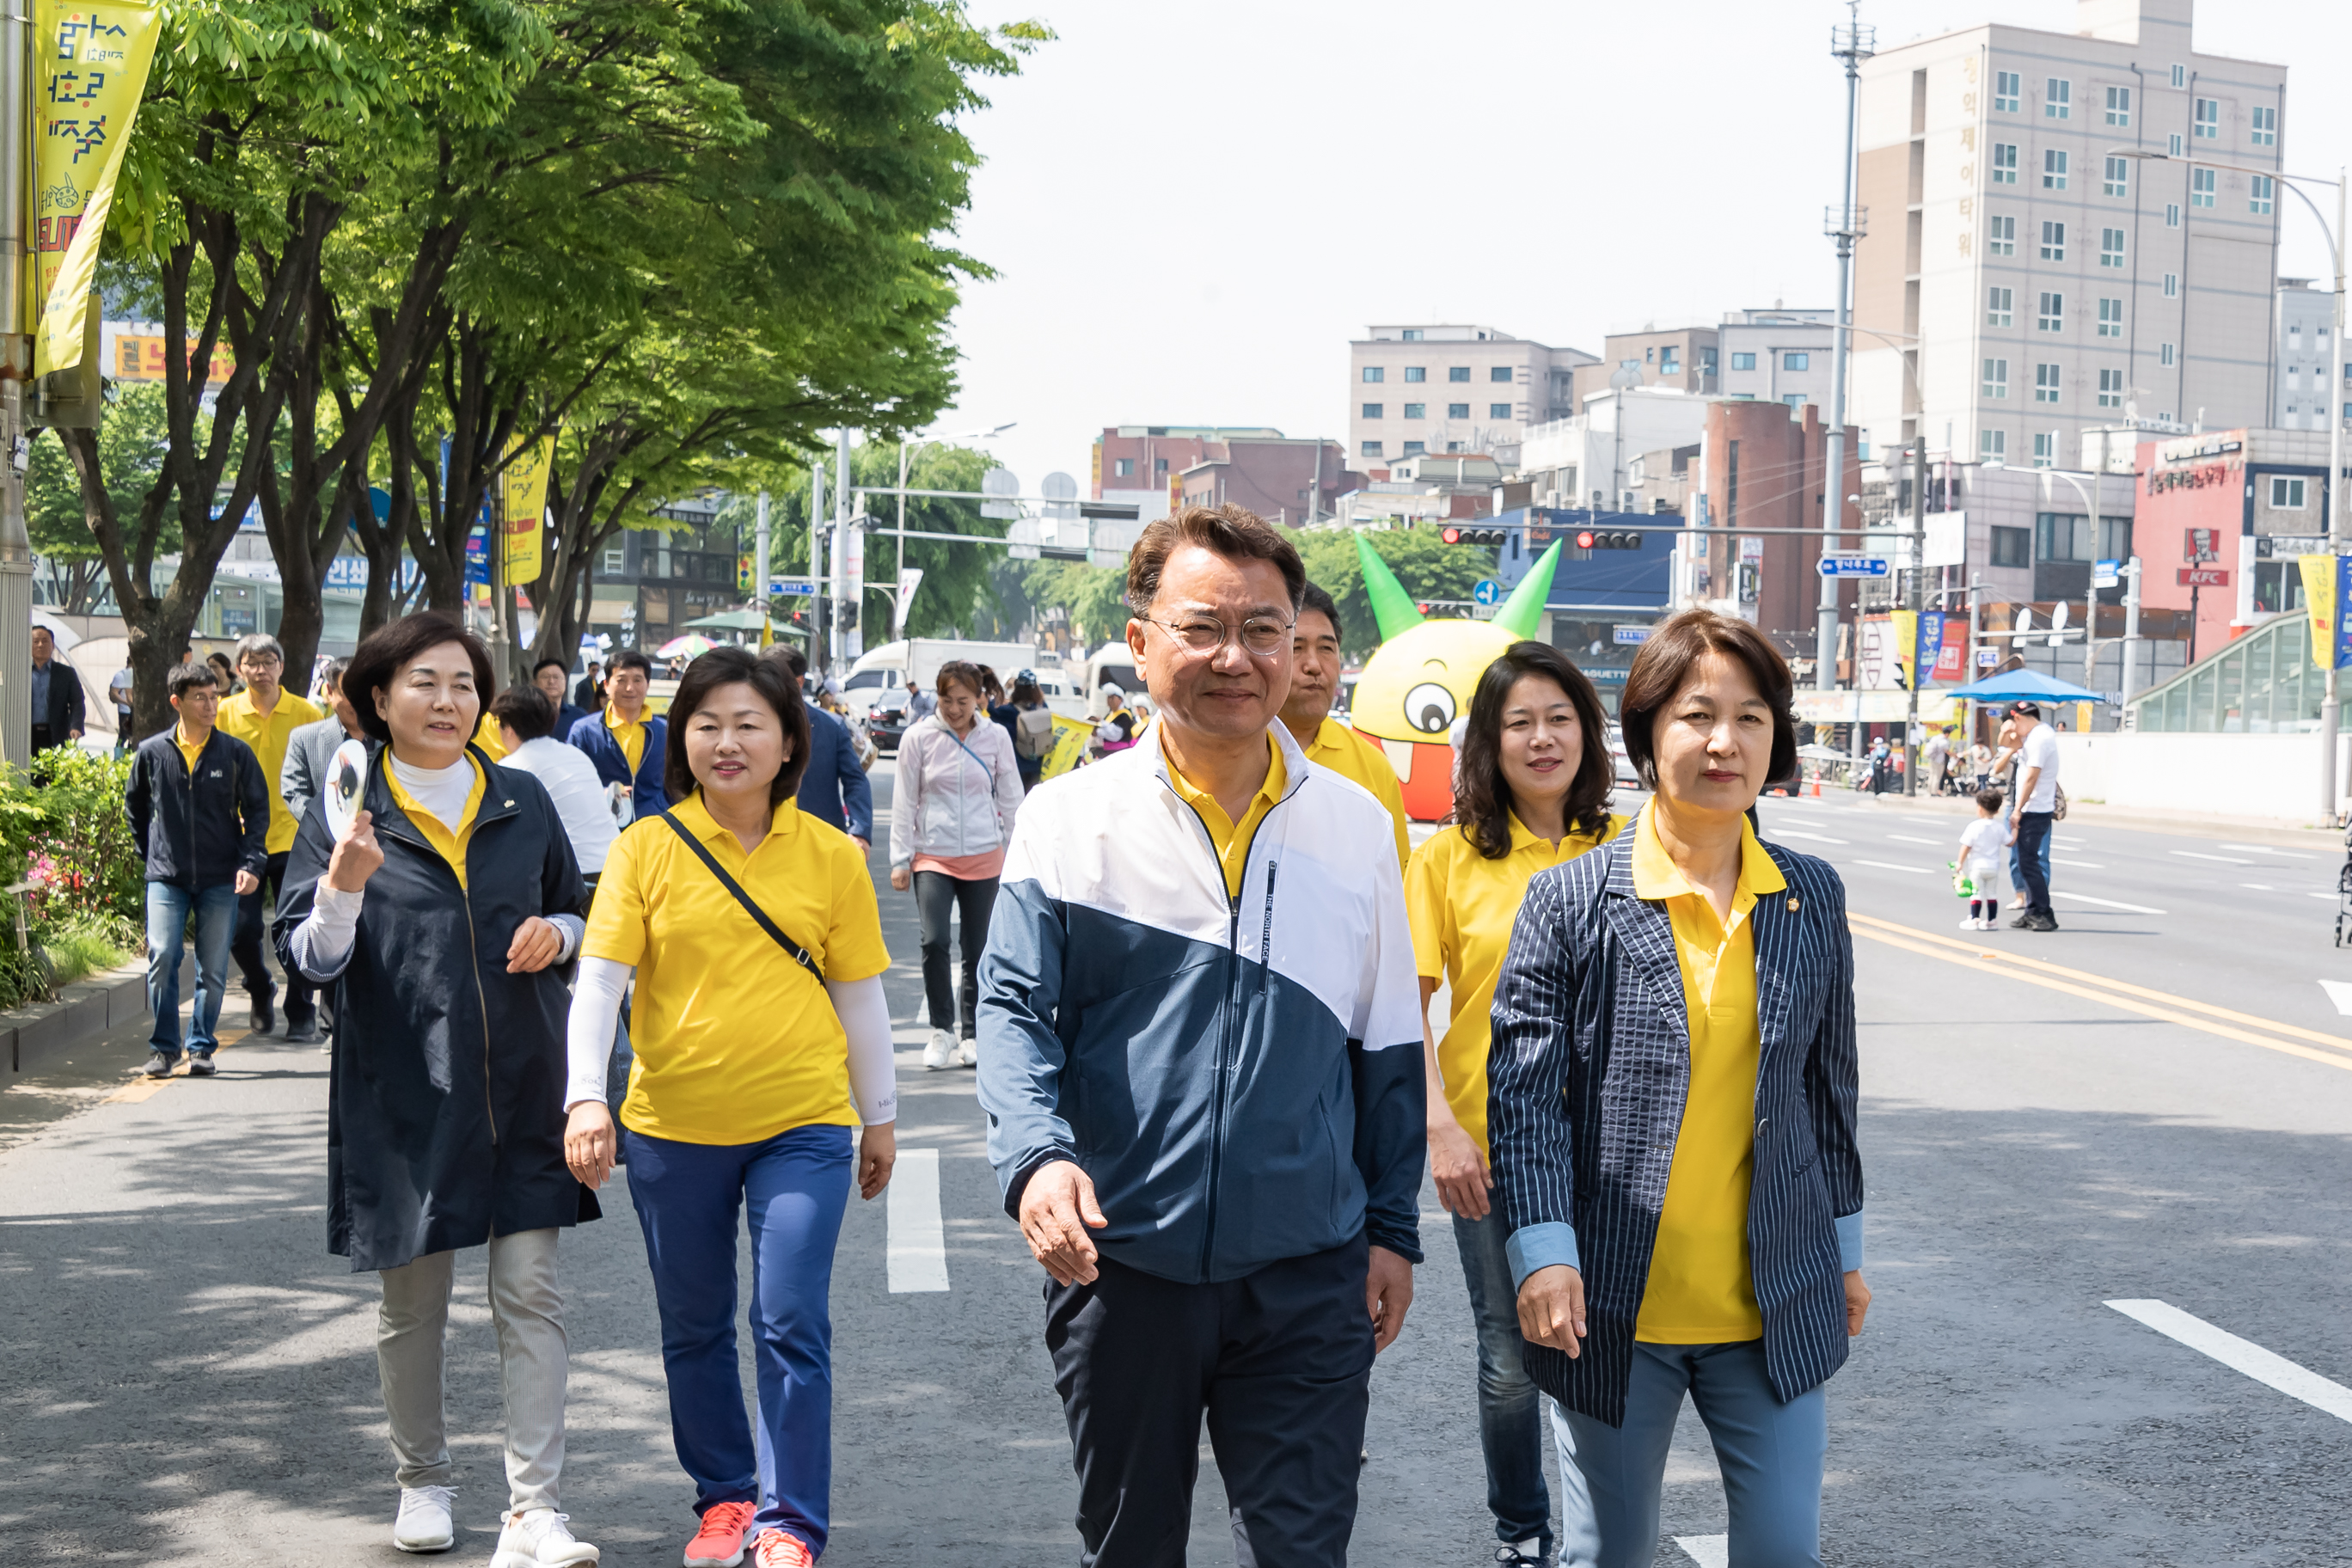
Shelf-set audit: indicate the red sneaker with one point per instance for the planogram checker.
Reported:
(774, 1549)
(719, 1543)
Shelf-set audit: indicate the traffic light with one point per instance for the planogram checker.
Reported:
(1453, 535)
(1592, 539)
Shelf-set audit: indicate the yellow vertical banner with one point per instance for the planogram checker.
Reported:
(90, 68)
(522, 508)
(2319, 597)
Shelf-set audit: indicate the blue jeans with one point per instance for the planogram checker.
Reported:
(1510, 1415)
(1772, 1457)
(168, 907)
(688, 1196)
(2034, 859)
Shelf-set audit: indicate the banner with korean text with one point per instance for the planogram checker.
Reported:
(2327, 592)
(522, 508)
(90, 68)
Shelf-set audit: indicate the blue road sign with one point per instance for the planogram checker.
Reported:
(1628, 636)
(1488, 591)
(1848, 563)
(792, 587)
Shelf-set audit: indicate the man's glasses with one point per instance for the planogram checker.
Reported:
(1261, 635)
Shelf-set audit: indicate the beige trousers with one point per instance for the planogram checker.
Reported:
(533, 1360)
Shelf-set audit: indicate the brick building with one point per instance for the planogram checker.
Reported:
(1762, 465)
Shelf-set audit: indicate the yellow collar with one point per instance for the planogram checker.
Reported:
(1656, 876)
(785, 822)
(613, 720)
(1277, 779)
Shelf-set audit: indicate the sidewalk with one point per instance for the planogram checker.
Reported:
(2083, 813)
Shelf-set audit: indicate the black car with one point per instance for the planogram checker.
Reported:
(886, 719)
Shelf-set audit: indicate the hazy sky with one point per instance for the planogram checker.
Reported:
(1193, 207)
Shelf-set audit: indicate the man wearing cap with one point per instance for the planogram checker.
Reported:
(2034, 809)
(1117, 731)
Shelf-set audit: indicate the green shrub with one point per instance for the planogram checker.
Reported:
(62, 827)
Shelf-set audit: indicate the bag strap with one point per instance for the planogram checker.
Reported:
(800, 955)
(976, 756)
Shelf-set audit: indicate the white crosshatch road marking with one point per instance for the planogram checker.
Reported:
(2265, 1367)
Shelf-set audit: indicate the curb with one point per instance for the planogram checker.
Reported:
(35, 1035)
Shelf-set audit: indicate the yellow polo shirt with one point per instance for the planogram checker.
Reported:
(1345, 752)
(268, 733)
(486, 736)
(1701, 1288)
(1232, 838)
(189, 750)
(630, 737)
(448, 843)
(1462, 906)
(735, 1041)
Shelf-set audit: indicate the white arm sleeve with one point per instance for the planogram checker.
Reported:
(873, 1072)
(322, 944)
(588, 1034)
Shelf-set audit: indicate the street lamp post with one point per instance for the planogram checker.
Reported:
(1853, 44)
(907, 453)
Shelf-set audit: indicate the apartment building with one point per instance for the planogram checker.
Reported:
(2305, 357)
(1682, 359)
(1289, 482)
(1587, 461)
(1778, 356)
(1450, 388)
(2066, 228)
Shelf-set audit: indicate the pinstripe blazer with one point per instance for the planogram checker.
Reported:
(1586, 1078)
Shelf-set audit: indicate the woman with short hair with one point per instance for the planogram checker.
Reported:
(441, 917)
(761, 1036)
(1672, 1114)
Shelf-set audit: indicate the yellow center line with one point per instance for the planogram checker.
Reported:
(142, 1089)
(1969, 957)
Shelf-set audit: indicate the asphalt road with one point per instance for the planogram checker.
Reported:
(185, 1375)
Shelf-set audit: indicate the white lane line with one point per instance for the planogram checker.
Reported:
(2340, 993)
(2224, 859)
(2104, 903)
(918, 1254)
(1816, 838)
(2085, 865)
(2266, 849)
(2272, 1370)
(1906, 838)
(2329, 896)
(2259, 886)
(1891, 866)
(1706, 1551)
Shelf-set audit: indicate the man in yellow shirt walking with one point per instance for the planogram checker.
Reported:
(265, 716)
(1306, 712)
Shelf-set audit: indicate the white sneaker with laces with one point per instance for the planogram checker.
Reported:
(540, 1538)
(940, 1052)
(967, 1053)
(424, 1521)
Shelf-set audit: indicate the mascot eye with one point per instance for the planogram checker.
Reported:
(1429, 708)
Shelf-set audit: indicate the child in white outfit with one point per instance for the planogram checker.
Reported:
(1981, 861)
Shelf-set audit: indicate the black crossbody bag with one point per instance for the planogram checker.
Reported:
(800, 955)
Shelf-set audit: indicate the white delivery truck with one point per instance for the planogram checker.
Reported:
(914, 661)
(1113, 662)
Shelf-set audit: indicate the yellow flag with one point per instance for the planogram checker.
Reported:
(522, 508)
(2320, 594)
(90, 68)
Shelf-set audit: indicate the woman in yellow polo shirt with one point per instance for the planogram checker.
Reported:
(1671, 1112)
(756, 947)
(1534, 794)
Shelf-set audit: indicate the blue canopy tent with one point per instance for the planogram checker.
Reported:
(2022, 686)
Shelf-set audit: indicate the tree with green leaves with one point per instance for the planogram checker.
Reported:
(132, 439)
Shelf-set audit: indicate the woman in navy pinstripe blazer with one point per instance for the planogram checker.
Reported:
(1671, 1110)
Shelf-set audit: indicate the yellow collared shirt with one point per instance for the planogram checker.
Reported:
(631, 738)
(1232, 838)
(268, 733)
(735, 1041)
(1462, 906)
(1701, 1288)
(1347, 753)
(448, 842)
(190, 749)
(487, 736)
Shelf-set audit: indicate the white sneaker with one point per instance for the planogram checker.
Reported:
(967, 1053)
(423, 1522)
(940, 1052)
(1971, 924)
(538, 1539)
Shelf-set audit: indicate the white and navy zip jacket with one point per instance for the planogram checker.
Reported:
(1240, 1077)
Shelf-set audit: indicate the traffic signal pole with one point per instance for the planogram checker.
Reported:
(16, 371)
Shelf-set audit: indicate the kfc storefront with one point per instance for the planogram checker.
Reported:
(2219, 521)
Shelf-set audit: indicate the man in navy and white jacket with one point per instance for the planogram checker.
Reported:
(1199, 1053)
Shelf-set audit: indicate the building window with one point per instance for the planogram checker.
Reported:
(1498, 372)
(1159, 467)
(2173, 215)
(2000, 236)
(2054, 169)
(2045, 387)
(1126, 466)
(2059, 535)
(1371, 449)
(2266, 132)
(1416, 410)
(2173, 146)
(1457, 411)
(1796, 362)
(2201, 185)
(1651, 354)
(2111, 247)
(2208, 125)
(2045, 449)
(2118, 177)
(2258, 199)
(1371, 411)
(1415, 448)
(1992, 446)
(2164, 356)
(1670, 360)
(1416, 372)
(2111, 318)
(2172, 285)
(2058, 99)
(2181, 76)
(1996, 378)
(2115, 538)
(1999, 303)
(2004, 162)
(1374, 373)
(1411, 334)
(1793, 399)
(2111, 389)
(2006, 87)
(1743, 361)
(2287, 494)
(2011, 546)
(2119, 106)
(2053, 241)
(1457, 373)
(1706, 362)
(612, 565)
(1498, 411)
(2051, 318)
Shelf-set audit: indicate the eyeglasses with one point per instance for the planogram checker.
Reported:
(1203, 633)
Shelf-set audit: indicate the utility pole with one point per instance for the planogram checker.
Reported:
(2131, 630)
(1917, 544)
(760, 558)
(2331, 707)
(816, 567)
(1853, 44)
(16, 371)
(840, 558)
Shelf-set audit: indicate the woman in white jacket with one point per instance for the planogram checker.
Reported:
(952, 814)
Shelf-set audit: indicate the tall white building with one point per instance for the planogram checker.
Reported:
(2305, 357)
(1448, 388)
(2050, 243)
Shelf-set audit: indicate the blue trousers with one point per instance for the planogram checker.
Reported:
(688, 1196)
(2034, 859)
(1772, 1457)
(168, 907)
(1510, 1406)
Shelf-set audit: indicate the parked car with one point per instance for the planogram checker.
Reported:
(886, 720)
(1618, 757)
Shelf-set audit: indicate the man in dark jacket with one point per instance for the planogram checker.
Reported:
(199, 809)
(835, 788)
(58, 703)
(625, 743)
(548, 676)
